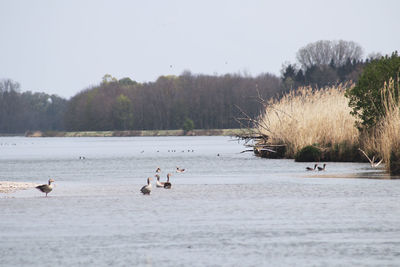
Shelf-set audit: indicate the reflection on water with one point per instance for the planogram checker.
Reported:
(227, 209)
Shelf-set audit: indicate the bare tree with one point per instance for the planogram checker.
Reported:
(326, 52)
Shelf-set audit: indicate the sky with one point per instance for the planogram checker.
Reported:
(62, 47)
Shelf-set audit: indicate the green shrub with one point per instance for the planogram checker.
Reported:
(365, 98)
(308, 154)
(188, 125)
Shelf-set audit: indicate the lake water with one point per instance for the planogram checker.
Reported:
(227, 209)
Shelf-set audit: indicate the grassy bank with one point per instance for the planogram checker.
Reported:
(196, 132)
(307, 117)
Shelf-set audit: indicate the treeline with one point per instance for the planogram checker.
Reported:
(176, 102)
(20, 112)
(210, 102)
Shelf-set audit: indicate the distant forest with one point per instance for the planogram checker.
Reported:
(206, 101)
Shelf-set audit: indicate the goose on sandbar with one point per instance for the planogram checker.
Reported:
(158, 183)
(46, 188)
(311, 169)
(322, 168)
(167, 184)
(147, 188)
(179, 170)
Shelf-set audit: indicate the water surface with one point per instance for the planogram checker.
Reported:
(227, 209)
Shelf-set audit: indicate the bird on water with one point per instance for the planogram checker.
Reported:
(158, 183)
(179, 170)
(147, 188)
(322, 168)
(158, 169)
(167, 184)
(46, 188)
(311, 169)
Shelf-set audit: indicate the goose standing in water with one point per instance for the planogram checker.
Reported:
(322, 168)
(158, 183)
(46, 188)
(179, 170)
(147, 188)
(311, 169)
(167, 184)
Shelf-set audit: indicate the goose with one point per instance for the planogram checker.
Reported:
(46, 188)
(158, 169)
(322, 168)
(158, 183)
(311, 169)
(167, 184)
(179, 170)
(147, 188)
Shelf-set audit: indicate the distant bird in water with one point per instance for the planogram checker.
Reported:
(179, 170)
(81, 157)
(158, 169)
(322, 168)
(46, 188)
(311, 169)
(167, 184)
(147, 188)
(158, 183)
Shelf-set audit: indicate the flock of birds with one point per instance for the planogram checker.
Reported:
(316, 167)
(146, 190)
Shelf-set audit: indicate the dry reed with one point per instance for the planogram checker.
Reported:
(310, 117)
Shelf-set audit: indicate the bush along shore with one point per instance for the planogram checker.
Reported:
(195, 132)
(351, 122)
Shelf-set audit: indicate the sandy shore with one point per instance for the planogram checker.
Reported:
(9, 187)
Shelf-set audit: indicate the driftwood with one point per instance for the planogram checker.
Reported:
(371, 161)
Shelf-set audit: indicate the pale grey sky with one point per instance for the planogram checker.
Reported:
(61, 47)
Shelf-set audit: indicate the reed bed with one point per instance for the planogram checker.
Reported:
(310, 117)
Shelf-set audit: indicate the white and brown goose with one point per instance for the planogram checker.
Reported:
(46, 188)
(311, 169)
(179, 170)
(158, 183)
(167, 184)
(146, 190)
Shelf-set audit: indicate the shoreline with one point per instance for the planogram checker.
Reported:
(195, 132)
(11, 187)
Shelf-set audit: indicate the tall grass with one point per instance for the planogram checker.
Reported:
(310, 117)
(384, 139)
